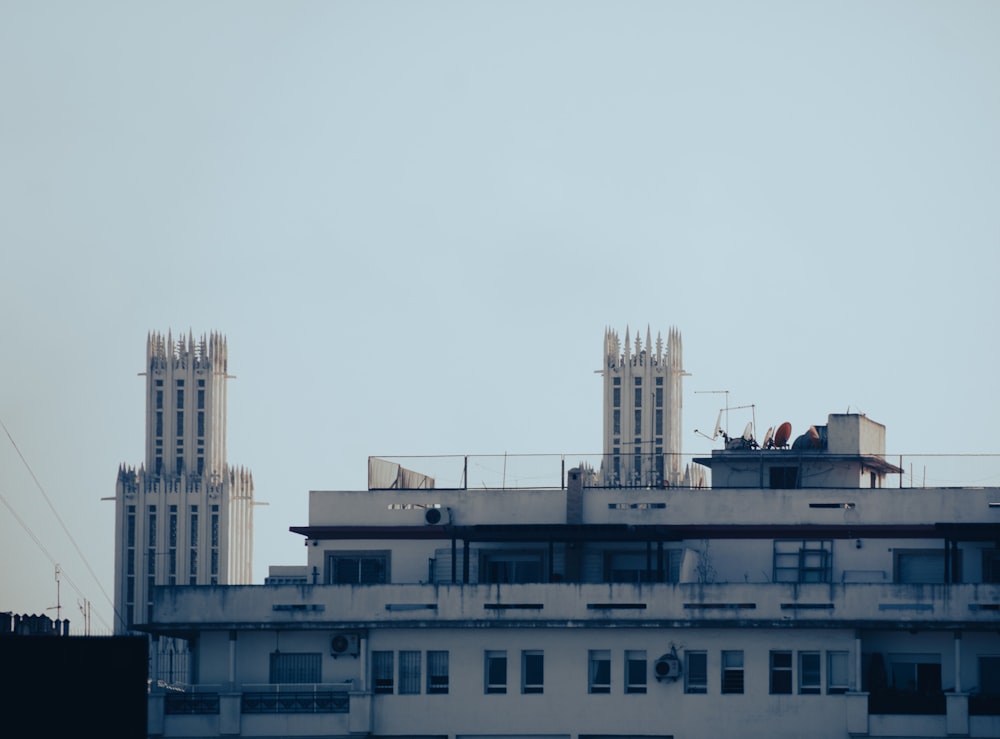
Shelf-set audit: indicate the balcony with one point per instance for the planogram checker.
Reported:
(254, 709)
(181, 610)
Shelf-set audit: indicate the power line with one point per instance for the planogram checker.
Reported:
(37, 541)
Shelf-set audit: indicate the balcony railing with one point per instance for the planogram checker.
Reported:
(318, 698)
(541, 471)
(191, 703)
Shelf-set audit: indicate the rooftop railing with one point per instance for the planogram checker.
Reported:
(549, 471)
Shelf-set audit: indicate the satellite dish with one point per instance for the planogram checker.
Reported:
(748, 432)
(814, 436)
(782, 435)
(767, 437)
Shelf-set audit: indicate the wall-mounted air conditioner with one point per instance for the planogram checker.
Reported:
(344, 645)
(437, 516)
(667, 667)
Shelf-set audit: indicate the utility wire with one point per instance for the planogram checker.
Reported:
(61, 523)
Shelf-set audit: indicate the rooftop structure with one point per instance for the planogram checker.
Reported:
(801, 595)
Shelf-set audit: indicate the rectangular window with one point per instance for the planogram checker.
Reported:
(991, 565)
(781, 673)
(616, 422)
(616, 400)
(180, 423)
(201, 423)
(732, 672)
(159, 400)
(532, 671)
(784, 478)
(638, 397)
(635, 671)
(409, 673)
(180, 398)
(437, 672)
(659, 393)
(658, 428)
(989, 676)
(358, 568)
(638, 421)
(201, 397)
(499, 566)
(599, 671)
(382, 672)
(809, 673)
(496, 672)
(917, 566)
(915, 673)
(695, 672)
(296, 667)
(837, 672)
(798, 560)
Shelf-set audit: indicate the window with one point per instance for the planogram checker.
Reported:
(695, 672)
(616, 397)
(991, 565)
(732, 672)
(638, 567)
(837, 672)
(496, 672)
(409, 673)
(989, 676)
(532, 671)
(382, 670)
(781, 673)
(616, 421)
(357, 568)
(499, 566)
(784, 478)
(296, 667)
(915, 673)
(437, 672)
(638, 397)
(599, 671)
(809, 673)
(635, 671)
(919, 566)
(803, 561)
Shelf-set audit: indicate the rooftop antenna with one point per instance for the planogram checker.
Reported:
(58, 605)
(717, 430)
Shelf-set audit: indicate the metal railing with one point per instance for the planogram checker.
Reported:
(628, 470)
(295, 698)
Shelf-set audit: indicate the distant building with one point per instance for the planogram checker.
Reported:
(184, 516)
(643, 401)
(55, 685)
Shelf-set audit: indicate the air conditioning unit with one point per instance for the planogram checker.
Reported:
(437, 516)
(667, 667)
(344, 645)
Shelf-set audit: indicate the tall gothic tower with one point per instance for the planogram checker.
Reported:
(184, 517)
(642, 410)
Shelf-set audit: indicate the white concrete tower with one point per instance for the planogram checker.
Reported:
(184, 517)
(642, 410)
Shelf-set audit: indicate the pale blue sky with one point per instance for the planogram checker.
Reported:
(414, 220)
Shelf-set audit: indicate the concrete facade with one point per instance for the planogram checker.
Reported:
(824, 609)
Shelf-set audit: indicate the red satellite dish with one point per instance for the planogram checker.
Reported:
(782, 435)
(814, 436)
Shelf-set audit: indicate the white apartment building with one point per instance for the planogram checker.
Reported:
(184, 516)
(805, 593)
